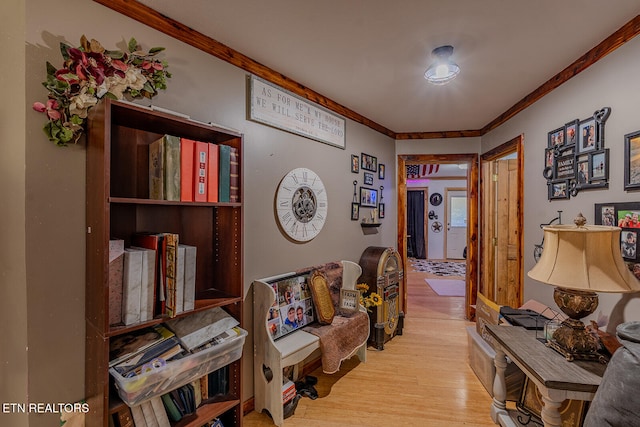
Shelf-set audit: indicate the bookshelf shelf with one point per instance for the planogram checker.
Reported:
(118, 207)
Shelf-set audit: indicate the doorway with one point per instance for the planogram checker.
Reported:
(456, 231)
(501, 242)
(471, 161)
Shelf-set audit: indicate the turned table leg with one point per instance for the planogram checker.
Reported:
(499, 405)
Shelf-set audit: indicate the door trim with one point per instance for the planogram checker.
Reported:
(471, 160)
(514, 145)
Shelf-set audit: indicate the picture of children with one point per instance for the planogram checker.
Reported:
(628, 244)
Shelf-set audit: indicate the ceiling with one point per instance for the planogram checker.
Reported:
(370, 55)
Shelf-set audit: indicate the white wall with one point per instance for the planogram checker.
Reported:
(612, 82)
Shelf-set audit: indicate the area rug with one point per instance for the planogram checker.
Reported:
(439, 268)
(447, 287)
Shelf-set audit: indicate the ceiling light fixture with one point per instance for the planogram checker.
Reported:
(443, 70)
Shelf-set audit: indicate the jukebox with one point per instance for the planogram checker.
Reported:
(382, 271)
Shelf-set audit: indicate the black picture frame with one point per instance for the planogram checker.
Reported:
(558, 189)
(368, 178)
(355, 211)
(556, 138)
(368, 162)
(381, 170)
(632, 161)
(625, 215)
(571, 132)
(368, 197)
(355, 163)
(565, 164)
(599, 166)
(380, 210)
(587, 136)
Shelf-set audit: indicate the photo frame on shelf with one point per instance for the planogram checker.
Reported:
(368, 197)
(558, 189)
(587, 135)
(349, 300)
(381, 171)
(632, 161)
(355, 163)
(368, 162)
(368, 178)
(355, 211)
(555, 138)
(380, 210)
(625, 215)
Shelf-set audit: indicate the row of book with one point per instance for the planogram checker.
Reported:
(161, 411)
(155, 276)
(181, 169)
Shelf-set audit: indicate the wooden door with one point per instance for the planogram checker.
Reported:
(456, 231)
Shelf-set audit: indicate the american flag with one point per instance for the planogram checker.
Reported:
(420, 171)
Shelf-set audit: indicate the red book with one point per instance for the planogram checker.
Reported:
(212, 173)
(187, 147)
(201, 156)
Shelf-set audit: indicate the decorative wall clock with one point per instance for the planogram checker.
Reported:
(301, 204)
(435, 199)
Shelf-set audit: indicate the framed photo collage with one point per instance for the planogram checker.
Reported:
(575, 157)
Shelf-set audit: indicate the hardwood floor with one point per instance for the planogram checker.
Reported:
(421, 378)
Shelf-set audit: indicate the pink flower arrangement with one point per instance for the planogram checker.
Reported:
(89, 73)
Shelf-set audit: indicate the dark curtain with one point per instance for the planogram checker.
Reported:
(415, 225)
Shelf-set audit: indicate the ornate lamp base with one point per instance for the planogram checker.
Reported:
(574, 342)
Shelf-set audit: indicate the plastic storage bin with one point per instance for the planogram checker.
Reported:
(177, 373)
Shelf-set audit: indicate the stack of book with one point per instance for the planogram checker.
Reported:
(181, 169)
(154, 277)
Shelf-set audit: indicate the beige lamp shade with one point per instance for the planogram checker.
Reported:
(584, 258)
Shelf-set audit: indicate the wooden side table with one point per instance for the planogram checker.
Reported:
(555, 377)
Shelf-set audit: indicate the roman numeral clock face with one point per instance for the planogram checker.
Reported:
(301, 204)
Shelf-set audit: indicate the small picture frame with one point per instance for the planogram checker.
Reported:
(355, 163)
(355, 211)
(368, 178)
(587, 135)
(368, 197)
(599, 166)
(571, 132)
(629, 244)
(381, 171)
(380, 210)
(625, 215)
(632, 161)
(349, 300)
(555, 138)
(368, 162)
(583, 173)
(558, 189)
(607, 215)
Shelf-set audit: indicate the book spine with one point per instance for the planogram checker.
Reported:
(149, 415)
(200, 168)
(116, 271)
(147, 289)
(234, 176)
(189, 277)
(171, 259)
(171, 167)
(212, 173)
(172, 409)
(160, 412)
(131, 288)
(180, 279)
(224, 173)
(124, 417)
(138, 416)
(186, 169)
(156, 170)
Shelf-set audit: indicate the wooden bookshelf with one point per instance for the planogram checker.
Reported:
(118, 206)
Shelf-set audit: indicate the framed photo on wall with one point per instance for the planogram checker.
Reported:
(368, 197)
(355, 211)
(368, 162)
(381, 171)
(600, 166)
(381, 210)
(626, 216)
(555, 138)
(559, 189)
(587, 135)
(355, 163)
(571, 132)
(632, 161)
(368, 178)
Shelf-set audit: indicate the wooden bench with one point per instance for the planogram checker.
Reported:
(272, 355)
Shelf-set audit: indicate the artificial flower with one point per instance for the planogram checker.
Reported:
(89, 73)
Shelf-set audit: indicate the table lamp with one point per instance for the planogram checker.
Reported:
(580, 260)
